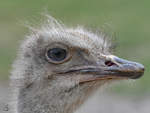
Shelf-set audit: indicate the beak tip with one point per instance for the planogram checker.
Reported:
(140, 67)
(139, 72)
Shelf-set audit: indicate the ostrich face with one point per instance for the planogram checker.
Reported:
(57, 67)
(77, 56)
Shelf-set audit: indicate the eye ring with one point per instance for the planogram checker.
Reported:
(58, 54)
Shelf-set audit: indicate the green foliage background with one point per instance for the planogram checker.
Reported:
(127, 20)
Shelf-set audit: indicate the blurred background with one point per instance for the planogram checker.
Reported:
(125, 20)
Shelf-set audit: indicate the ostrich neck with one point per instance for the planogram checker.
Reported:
(49, 98)
(53, 96)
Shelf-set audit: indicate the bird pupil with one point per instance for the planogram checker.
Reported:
(57, 54)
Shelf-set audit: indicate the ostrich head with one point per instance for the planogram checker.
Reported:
(58, 68)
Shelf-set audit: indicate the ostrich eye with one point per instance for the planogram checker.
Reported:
(57, 55)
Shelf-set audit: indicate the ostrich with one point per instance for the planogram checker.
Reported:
(58, 68)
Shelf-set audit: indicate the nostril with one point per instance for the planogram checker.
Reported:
(109, 63)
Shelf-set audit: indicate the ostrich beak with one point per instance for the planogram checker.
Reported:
(114, 68)
(123, 68)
